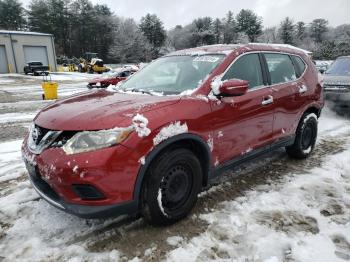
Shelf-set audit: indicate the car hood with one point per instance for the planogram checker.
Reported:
(97, 110)
(336, 80)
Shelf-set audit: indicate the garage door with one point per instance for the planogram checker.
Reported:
(3, 60)
(35, 53)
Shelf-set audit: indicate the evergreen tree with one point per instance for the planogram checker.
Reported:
(129, 45)
(318, 28)
(180, 37)
(229, 28)
(249, 23)
(152, 28)
(300, 30)
(218, 31)
(38, 17)
(325, 50)
(286, 31)
(11, 15)
(203, 33)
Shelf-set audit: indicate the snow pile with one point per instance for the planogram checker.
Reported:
(142, 160)
(11, 164)
(307, 218)
(174, 240)
(140, 124)
(216, 84)
(210, 143)
(169, 131)
(160, 204)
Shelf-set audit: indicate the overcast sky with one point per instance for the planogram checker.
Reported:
(174, 12)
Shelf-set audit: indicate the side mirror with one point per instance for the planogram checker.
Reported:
(234, 87)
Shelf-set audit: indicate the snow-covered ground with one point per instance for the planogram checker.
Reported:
(275, 209)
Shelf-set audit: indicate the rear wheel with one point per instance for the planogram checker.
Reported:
(305, 139)
(170, 191)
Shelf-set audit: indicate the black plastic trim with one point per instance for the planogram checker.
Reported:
(159, 148)
(231, 164)
(264, 69)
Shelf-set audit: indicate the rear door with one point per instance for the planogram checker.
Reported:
(243, 123)
(287, 91)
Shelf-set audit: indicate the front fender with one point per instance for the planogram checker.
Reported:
(165, 144)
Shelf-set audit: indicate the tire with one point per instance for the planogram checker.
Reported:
(305, 138)
(172, 184)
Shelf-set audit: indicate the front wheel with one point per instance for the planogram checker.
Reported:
(172, 184)
(305, 139)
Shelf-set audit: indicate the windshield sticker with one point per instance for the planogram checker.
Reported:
(206, 58)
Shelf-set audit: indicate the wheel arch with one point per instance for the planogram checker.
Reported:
(191, 141)
(313, 109)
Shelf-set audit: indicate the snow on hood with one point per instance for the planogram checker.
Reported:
(97, 110)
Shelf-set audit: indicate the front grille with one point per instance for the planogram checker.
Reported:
(41, 132)
(63, 138)
(41, 138)
(337, 88)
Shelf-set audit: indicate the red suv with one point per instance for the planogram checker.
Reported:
(163, 135)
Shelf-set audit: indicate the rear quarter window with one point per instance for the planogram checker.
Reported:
(299, 65)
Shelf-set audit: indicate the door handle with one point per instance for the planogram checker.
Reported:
(267, 100)
(302, 89)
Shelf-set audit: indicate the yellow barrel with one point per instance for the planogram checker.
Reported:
(50, 90)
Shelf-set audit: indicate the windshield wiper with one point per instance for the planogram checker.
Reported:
(139, 91)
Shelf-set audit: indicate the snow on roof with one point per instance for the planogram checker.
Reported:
(23, 33)
(227, 49)
(207, 49)
(282, 46)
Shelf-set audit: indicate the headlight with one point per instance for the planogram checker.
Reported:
(93, 140)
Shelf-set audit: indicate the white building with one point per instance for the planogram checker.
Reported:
(17, 48)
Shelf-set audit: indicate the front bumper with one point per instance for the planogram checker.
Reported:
(83, 211)
(111, 171)
(338, 100)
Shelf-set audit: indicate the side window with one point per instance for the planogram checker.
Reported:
(299, 65)
(247, 68)
(280, 67)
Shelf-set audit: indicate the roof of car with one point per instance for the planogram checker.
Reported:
(229, 48)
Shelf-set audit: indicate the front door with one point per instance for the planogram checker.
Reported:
(243, 123)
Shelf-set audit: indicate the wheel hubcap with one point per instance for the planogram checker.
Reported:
(307, 137)
(176, 187)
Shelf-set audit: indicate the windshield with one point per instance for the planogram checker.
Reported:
(341, 66)
(173, 74)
